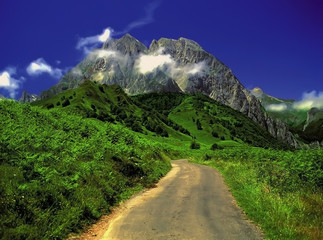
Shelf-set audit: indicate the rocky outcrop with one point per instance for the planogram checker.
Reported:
(26, 97)
(313, 115)
(168, 65)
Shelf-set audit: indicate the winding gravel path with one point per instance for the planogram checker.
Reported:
(190, 202)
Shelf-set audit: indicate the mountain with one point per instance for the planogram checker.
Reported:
(168, 65)
(178, 118)
(110, 104)
(278, 108)
(307, 124)
(312, 129)
(26, 97)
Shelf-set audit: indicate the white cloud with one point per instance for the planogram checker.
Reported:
(88, 43)
(149, 63)
(157, 60)
(309, 100)
(10, 83)
(276, 107)
(39, 66)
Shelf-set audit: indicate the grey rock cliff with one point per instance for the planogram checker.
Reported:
(170, 66)
(26, 97)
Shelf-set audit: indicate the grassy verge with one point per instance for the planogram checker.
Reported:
(60, 171)
(281, 191)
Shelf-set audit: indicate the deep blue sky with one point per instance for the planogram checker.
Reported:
(274, 44)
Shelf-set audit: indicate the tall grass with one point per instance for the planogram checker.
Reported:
(281, 191)
(60, 171)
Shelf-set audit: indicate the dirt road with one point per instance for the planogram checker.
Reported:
(191, 202)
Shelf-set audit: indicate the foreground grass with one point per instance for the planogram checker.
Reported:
(284, 198)
(60, 171)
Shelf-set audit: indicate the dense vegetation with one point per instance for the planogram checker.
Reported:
(65, 160)
(59, 171)
(280, 190)
(209, 121)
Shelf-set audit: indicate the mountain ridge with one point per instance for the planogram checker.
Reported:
(168, 65)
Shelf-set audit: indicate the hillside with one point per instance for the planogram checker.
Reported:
(172, 115)
(306, 124)
(60, 171)
(168, 65)
(66, 160)
(209, 121)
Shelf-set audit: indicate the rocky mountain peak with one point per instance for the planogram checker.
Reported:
(169, 65)
(127, 45)
(26, 97)
(257, 92)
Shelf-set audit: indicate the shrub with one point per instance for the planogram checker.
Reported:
(215, 147)
(50, 106)
(195, 145)
(101, 89)
(66, 103)
(215, 134)
(198, 124)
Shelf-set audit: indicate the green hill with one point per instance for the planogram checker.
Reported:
(208, 121)
(60, 171)
(111, 104)
(65, 160)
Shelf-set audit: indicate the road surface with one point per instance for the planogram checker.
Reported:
(190, 202)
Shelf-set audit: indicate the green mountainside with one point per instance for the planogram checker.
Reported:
(307, 124)
(176, 115)
(66, 160)
(207, 120)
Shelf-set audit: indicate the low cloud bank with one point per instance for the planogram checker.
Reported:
(147, 63)
(276, 107)
(309, 100)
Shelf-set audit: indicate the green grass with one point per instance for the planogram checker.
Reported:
(279, 190)
(61, 171)
(208, 121)
(65, 160)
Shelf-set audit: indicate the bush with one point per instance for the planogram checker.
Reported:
(215, 147)
(195, 145)
(215, 134)
(50, 106)
(66, 103)
(198, 124)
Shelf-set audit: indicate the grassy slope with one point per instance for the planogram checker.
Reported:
(67, 165)
(59, 171)
(209, 121)
(111, 104)
(279, 190)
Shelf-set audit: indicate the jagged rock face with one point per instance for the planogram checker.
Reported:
(171, 66)
(314, 114)
(26, 97)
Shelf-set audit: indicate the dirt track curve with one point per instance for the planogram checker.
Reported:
(191, 202)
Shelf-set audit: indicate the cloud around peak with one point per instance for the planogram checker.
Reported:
(147, 63)
(309, 100)
(39, 66)
(87, 44)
